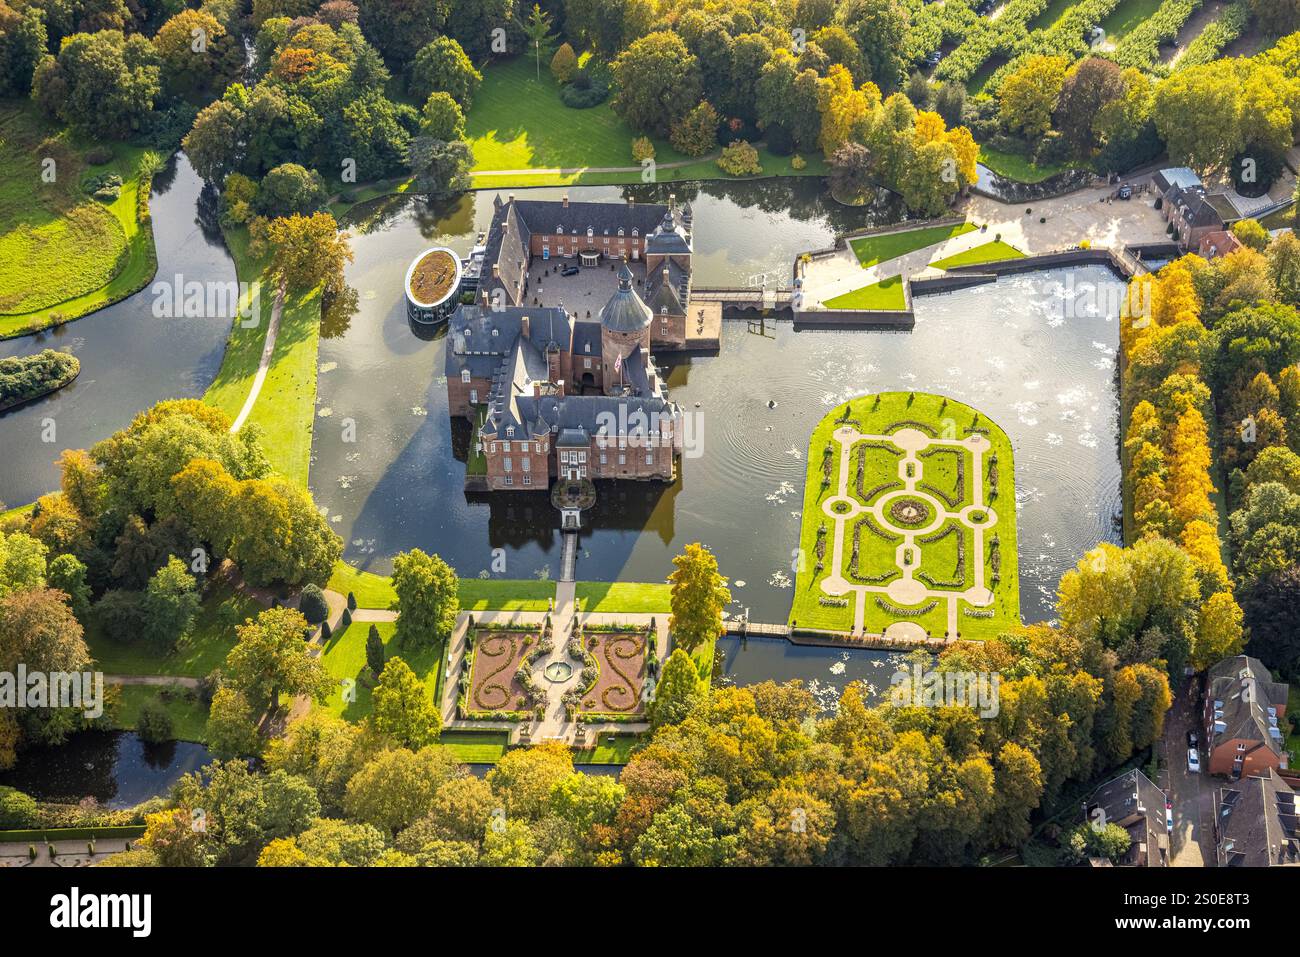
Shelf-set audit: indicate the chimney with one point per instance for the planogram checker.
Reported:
(565, 201)
(665, 274)
(537, 389)
(631, 200)
(485, 298)
(496, 270)
(653, 378)
(524, 323)
(512, 197)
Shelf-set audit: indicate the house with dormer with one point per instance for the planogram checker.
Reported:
(1244, 711)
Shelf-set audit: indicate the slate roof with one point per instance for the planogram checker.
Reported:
(670, 295)
(670, 236)
(603, 219)
(1257, 823)
(1196, 208)
(1245, 716)
(625, 312)
(473, 345)
(1135, 803)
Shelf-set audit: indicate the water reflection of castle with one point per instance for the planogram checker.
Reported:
(551, 394)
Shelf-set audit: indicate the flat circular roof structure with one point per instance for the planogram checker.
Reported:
(433, 277)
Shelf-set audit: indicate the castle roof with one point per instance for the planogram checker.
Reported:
(625, 312)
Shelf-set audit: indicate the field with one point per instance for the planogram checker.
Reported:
(286, 406)
(917, 540)
(883, 247)
(210, 640)
(628, 597)
(66, 254)
(344, 658)
(886, 294)
(995, 251)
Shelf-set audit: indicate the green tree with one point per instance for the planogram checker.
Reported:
(537, 29)
(679, 691)
(397, 787)
(22, 562)
(695, 134)
(398, 28)
(428, 598)
(290, 189)
(232, 725)
(1027, 98)
(375, 651)
(307, 251)
(271, 659)
(658, 82)
(564, 63)
(402, 708)
(23, 41)
(699, 594)
(441, 169)
(441, 118)
(68, 575)
(171, 601)
(103, 84)
(442, 66)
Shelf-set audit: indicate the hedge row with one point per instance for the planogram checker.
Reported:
(1066, 37)
(987, 37)
(129, 833)
(1216, 36)
(938, 23)
(1141, 47)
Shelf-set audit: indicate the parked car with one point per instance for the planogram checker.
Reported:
(934, 58)
(569, 271)
(1193, 761)
(1126, 191)
(1169, 817)
(1193, 740)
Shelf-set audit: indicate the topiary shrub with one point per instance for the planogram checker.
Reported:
(352, 599)
(17, 810)
(313, 605)
(155, 724)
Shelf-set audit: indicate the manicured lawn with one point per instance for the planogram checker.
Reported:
(189, 714)
(344, 658)
(286, 406)
(987, 253)
(17, 511)
(871, 250)
(892, 411)
(645, 598)
(519, 122)
(611, 749)
(476, 747)
(65, 254)
(476, 594)
(886, 294)
(205, 649)
(1017, 167)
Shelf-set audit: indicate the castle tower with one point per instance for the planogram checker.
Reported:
(624, 325)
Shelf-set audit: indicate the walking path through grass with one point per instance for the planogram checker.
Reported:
(268, 350)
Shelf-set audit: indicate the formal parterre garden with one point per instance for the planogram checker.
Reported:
(921, 493)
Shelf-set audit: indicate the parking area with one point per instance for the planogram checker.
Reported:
(1192, 843)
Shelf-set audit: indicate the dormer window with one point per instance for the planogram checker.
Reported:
(510, 431)
(590, 232)
(636, 232)
(464, 375)
(559, 230)
(620, 231)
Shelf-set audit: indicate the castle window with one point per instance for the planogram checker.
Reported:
(636, 232)
(622, 459)
(510, 480)
(590, 232)
(494, 448)
(510, 431)
(464, 375)
(649, 458)
(559, 230)
(509, 465)
(528, 465)
(586, 347)
(528, 479)
(586, 363)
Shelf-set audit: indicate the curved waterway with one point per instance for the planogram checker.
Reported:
(1006, 348)
(129, 358)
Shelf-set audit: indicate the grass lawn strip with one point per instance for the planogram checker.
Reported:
(882, 247)
(886, 294)
(188, 713)
(996, 251)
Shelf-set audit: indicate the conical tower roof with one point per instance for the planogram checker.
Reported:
(625, 311)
